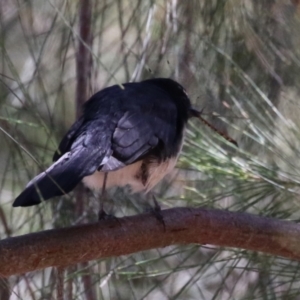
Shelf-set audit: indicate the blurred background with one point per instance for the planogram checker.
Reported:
(239, 61)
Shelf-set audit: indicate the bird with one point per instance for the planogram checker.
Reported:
(129, 134)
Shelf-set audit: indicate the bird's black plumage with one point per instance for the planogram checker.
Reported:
(120, 126)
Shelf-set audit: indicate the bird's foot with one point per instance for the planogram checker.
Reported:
(103, 216)
(157, 213)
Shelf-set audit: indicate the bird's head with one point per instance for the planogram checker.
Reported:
(177, 93)
(180, 97)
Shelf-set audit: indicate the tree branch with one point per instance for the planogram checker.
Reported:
(67, 246)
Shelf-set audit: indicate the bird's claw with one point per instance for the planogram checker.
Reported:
(103, 216)
(157, 213)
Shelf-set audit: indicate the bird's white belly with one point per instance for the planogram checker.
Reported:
(121, 177)
(129, 175)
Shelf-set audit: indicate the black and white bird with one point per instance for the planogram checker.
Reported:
(128, 135)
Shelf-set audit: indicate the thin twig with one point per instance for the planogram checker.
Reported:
(4, 289)
(84, 66)
(60, 283)
(84, 56)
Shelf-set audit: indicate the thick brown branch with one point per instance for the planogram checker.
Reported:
(67, 246)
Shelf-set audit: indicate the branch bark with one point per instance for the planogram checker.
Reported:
(67, 246)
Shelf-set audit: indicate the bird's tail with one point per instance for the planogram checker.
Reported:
(59, 179)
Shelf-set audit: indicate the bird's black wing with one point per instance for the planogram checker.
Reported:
(147, 127)
(132, 139)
